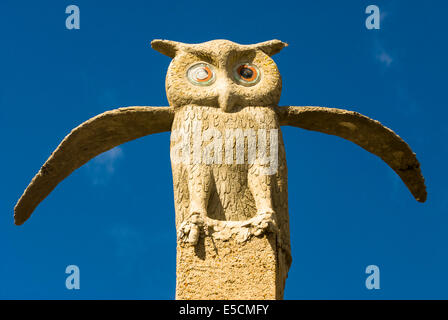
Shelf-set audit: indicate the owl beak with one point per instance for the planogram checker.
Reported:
(226, 99)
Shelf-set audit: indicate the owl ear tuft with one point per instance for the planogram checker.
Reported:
(166, 47)
(270, 47)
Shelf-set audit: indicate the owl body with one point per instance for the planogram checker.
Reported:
(218, 182)
(227, 153)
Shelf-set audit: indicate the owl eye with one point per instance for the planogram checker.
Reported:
(247, 74)
(201, 74)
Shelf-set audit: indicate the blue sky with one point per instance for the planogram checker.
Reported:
(114, 217)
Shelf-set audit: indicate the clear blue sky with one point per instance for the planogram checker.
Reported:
(114, 217)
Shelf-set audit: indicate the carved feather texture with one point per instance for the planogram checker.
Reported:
(224, 189)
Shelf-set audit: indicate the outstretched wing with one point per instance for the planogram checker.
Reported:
(365, 132)
(91, 138)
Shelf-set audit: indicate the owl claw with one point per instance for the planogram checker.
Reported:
(264, 221)
(190, 230)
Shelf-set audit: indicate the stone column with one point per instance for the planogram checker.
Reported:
(230, 269)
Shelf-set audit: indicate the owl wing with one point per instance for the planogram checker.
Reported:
(365, 132)
(91, 138)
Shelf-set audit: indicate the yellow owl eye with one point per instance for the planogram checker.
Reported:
(201, 74)
(247, 74)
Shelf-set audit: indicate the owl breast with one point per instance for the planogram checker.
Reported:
(209, 162)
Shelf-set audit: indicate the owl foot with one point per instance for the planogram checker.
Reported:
(189, 231)
(263, 222)
(260, 224)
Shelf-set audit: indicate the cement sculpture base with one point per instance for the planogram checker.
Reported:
(229, 270)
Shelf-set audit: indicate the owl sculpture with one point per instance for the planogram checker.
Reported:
(227, 153)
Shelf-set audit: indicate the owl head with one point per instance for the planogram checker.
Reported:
(222, 73)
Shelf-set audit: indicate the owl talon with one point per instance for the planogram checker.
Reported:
(190, 230)
(264, 221)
